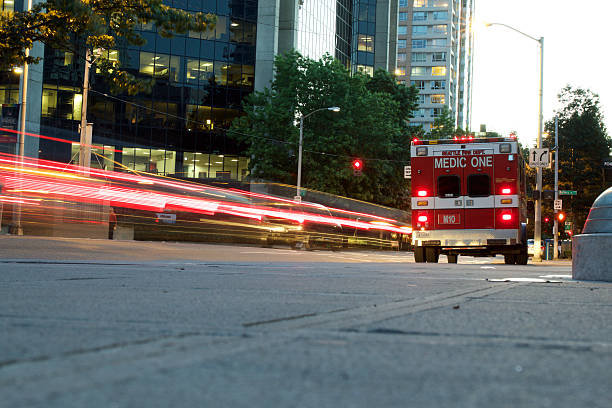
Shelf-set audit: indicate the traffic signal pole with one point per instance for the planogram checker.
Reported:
(556, 225)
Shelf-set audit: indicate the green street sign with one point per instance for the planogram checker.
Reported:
(567, 192)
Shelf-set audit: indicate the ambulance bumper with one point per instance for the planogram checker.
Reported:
(465, 238)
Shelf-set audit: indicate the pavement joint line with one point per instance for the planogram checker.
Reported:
(377, 313)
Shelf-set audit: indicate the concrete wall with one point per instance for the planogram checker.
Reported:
(267, 42)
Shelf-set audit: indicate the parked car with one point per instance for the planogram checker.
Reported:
(530, 251)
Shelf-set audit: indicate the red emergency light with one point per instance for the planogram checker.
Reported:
(422, 218)
(422, 193)
(506, 217)
(506, 190)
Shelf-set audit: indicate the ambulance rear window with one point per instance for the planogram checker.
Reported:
(478, 185)
(449, 186)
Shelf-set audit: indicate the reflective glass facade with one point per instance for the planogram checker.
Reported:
(179, 128)
(316, 28)
(364, 31)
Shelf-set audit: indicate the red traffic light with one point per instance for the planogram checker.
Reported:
(357, 164)
(546, 219)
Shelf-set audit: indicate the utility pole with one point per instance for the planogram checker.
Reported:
(85, 140)
(556, 225)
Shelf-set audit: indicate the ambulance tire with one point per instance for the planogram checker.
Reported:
(510, 259)
(419, 254)
(432, 255)
(522, 258)
(452, 258)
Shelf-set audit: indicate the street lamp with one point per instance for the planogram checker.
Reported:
(537, 235)
(85, 133)
(298, 196)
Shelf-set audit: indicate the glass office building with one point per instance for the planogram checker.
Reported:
(179, 128)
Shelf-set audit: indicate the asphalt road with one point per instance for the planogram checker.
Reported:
(135, 324)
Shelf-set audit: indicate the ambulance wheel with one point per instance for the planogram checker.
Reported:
(522, 258)
(509, 259)
(452, 258)
(432, 255)
(419, 254)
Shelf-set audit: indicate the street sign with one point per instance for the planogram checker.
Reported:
(539, 158)
(567, 192)
(568, 225)
(407, 172)
(558, 204)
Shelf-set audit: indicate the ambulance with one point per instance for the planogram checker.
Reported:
(468, 198)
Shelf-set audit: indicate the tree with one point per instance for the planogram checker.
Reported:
(443, 126)
(68, 24)
(372, 125)
(583, 146)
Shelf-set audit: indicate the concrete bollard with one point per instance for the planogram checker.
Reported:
(592, 250)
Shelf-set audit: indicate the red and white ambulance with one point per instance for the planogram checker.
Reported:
(468, 198)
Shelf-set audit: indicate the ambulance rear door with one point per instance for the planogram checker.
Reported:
(478, 177)
(448, 175)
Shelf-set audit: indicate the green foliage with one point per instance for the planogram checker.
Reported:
(62, 24)
(372, 125)
(583, 146)
(443, 126)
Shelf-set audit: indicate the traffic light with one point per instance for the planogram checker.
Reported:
(357, 167)
(546, 219)
(560, 216)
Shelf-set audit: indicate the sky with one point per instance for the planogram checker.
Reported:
(577, 36)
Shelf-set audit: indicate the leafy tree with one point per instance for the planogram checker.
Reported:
(443, 126)
(65, 24)
(372, 125)
(583, 146)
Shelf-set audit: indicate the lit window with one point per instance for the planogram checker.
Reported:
(364, 69)
(438, 71)
(437, 98)
(402, 30)
(197, 70)
(415, 71)
(160, 65)
(440, 29)
(400, 71)
(438, 3)
(419, 3)
(365, 43)
(437, 42)
(419, 30)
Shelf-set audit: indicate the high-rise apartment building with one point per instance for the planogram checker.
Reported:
(434, 53)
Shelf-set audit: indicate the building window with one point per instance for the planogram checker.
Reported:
(440, 15)
(419, 57)
(403, 3)
(440, 29)
(419, 3)
(449, 186)
(437, 42)
(418, 113)
(160, 65)
(401, 57)
(438, 3)
(416, 43)
(419, 30)
(437, 98)
(438, 71)
(438, 57)
(421, 99)
(7, 5)
(402, 43)
(365, 43)
(402, 30)
(364, 69)
(438, 85)
(400, 71)
(198, 70)
(414, 71)
(418, 84)
(436, 112)
(419, 16)
(403, 16)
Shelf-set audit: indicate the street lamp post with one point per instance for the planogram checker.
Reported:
(537, 235)
(85, 133)
(298, 196)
